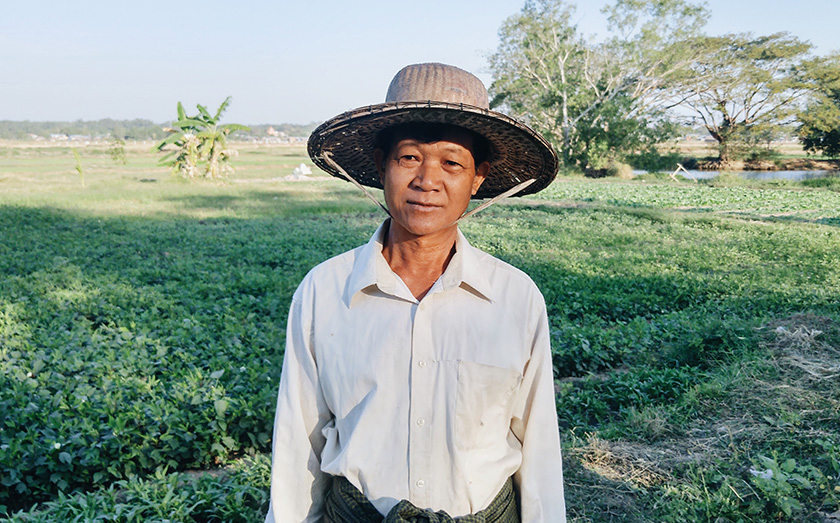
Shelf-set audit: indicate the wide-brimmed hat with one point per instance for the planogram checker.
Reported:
(436, 93)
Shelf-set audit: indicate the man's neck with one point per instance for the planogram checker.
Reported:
(419, 260)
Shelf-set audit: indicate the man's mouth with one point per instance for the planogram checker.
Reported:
(425, 205)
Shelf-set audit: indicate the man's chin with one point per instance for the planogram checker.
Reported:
(420, 228)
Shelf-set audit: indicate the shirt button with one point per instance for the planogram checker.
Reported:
(421, 363)
(421, 421)
(420, 483)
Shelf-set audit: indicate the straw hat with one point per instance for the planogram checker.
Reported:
(436, 93)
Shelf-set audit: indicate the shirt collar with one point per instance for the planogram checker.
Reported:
(371, 269)
(467, 268)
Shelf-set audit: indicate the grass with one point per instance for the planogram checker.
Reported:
(695, 332)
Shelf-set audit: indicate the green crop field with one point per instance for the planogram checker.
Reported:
(695, 335)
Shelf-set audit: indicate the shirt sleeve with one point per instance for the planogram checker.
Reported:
(298, 486)
(540, 476)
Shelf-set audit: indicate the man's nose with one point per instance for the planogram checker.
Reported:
(428, 176)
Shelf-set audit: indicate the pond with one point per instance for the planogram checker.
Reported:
(757, 175)
(764, 175)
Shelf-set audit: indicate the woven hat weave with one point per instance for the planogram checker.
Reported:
(436, 93)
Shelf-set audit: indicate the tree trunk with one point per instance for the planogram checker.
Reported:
(724, 156)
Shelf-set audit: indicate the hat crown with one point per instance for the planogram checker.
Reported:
(439, 83)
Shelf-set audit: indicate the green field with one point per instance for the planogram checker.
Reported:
(695, 334)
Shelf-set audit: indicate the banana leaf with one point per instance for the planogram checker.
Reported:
(163, 161)
(172, 138)
(230, 127)
(222, 108)
(209, 133)
(208, 119)
(189, 122)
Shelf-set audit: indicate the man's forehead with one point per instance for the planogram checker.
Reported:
(446, 142)
(427, 134)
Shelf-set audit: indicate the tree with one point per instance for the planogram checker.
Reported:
(593, 100)
(117, 151)
(820, 121)
(740, 85)
(200, 143)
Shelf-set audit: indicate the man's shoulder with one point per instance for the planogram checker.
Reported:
(497, 267)
(339, 262)
(336, 268)
(501, 274)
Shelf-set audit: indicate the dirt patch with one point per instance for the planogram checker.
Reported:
(803, 350)
(632, 463)
(807, 164)
(592, 496)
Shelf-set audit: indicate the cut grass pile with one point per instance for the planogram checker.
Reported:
(695, 333)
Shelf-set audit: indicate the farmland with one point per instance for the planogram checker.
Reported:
(695, 335)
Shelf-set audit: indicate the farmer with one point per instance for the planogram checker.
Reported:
(417, 381)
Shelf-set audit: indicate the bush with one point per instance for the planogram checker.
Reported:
(832, 183)
(654, 161)
(620, 170)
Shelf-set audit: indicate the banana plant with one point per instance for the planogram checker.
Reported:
(200, 143)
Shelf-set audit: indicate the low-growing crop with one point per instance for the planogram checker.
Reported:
(695, 334)
(594, 401)
(130, 346)
(235, 495)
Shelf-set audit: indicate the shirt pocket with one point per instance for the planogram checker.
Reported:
(483, 404)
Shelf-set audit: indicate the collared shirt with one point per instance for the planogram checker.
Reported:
(436, 401)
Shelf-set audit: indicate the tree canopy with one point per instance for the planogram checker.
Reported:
(594, 101)
(600, 101)
(137, 129)
(820, 121)
(740, 84)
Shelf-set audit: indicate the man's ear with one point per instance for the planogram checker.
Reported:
(379, 158)
(480, 175)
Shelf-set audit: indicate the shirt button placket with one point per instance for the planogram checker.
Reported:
(420, 443)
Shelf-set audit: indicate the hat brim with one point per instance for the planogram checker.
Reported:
(518, 152)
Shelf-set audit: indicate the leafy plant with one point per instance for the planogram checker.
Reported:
(200, 141)
(79, 168)
(236, 495)
(117, 151)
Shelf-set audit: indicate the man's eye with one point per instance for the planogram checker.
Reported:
(407, 158)
(453, 163)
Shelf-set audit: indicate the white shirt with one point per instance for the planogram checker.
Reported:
(436, 401)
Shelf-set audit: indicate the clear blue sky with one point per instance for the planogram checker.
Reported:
(281, 60)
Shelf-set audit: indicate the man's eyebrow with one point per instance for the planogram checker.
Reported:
(458, 148)
(407, 142)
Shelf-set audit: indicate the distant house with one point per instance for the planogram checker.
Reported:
(271, 131)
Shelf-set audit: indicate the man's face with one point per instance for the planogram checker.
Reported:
(429, 185)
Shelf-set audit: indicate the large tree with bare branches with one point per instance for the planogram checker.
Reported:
(594, 100)
(742, 84)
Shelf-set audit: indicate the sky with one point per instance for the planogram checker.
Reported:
(281, 61)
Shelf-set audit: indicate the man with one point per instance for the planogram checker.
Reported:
(417, 381)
